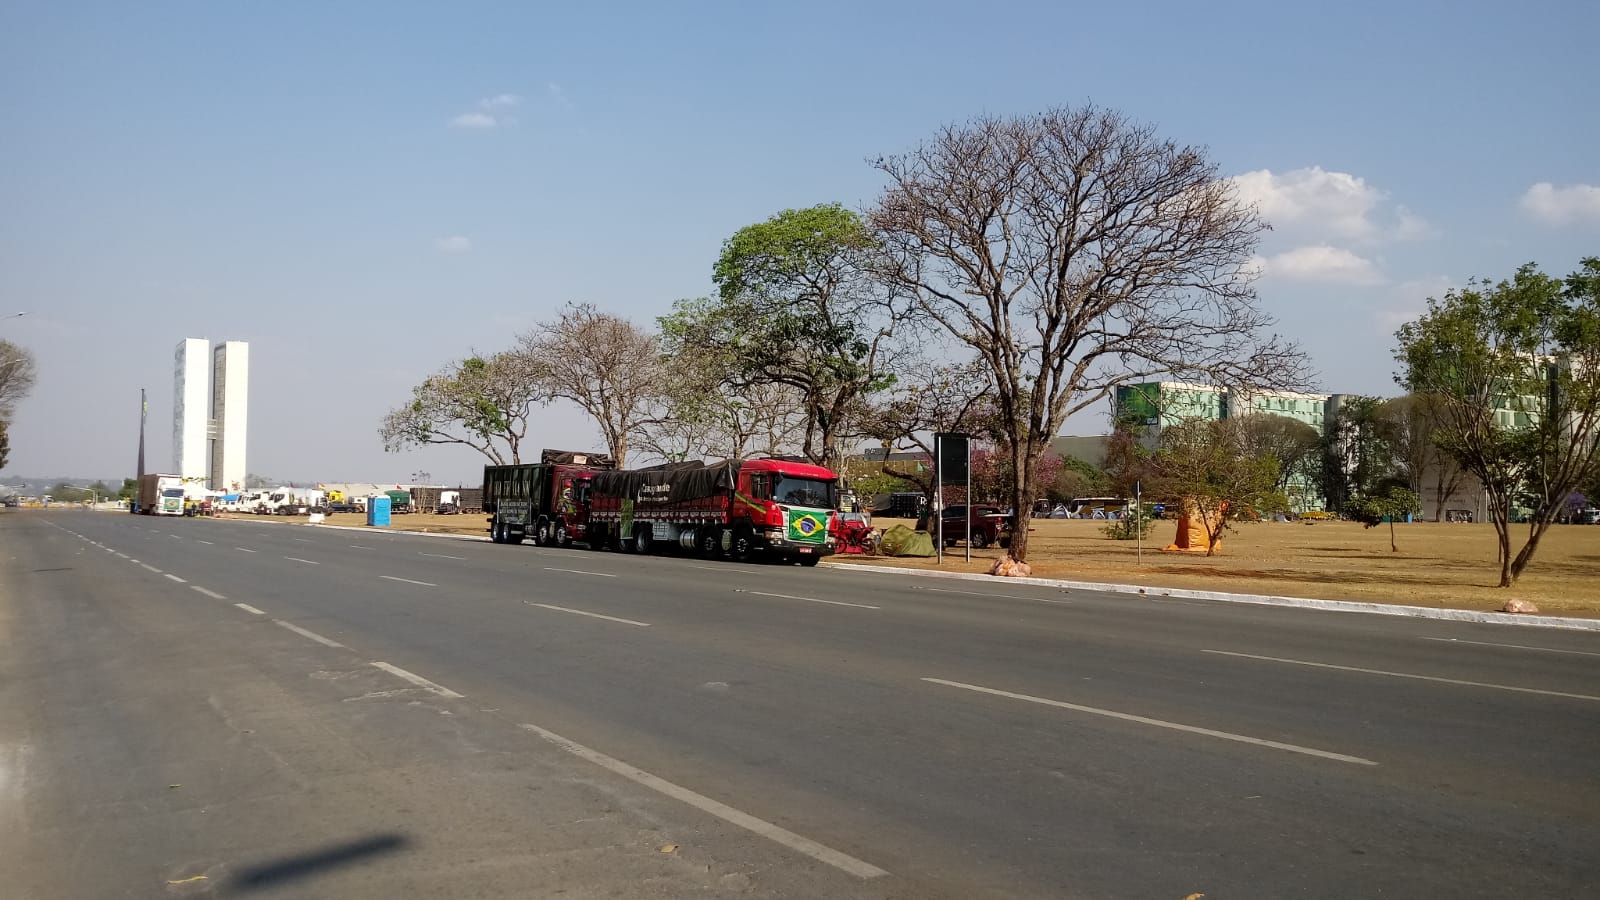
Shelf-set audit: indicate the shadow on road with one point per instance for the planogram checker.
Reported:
(275, 873)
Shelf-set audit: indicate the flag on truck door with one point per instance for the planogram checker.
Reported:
(807, 526)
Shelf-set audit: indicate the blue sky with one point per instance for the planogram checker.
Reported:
(365, 191)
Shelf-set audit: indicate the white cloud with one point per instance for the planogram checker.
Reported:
(455, 243)
(474, 120)
(1316, 203)
(1565, 205)
(1320, 262)
(558, 94)
(500, 101)
(489, 112)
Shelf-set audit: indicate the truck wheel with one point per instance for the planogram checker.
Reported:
(497, 533)
(809, 561)
(541, 533)
(563, 539)
(641, 538)
(744, 544)
(709, 541)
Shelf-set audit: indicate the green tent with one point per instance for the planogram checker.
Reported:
(902, 541)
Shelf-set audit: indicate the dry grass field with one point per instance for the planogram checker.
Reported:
(1447, 565)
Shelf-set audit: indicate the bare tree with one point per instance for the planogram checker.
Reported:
(1075, 251)
(927, 399)
(17, 374)
(610, 367)
(1411, 423)
(481, 402)
(1292, 444)
(702, 415)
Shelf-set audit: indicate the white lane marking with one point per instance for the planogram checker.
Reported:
(302, 540)
(579, 612)
(308, 634)
(981, 594)
(408, 580)
(716, 568)
(1318, 665)
(135, 561)
(778, 834)
(359, 547)
(579, 572)
(121, 554)
(1513, 646)
(811, 599)
(441, 555)
(150, 567)
(417, 680)
(107, 549)
(245, 549)
(175, 537)
(309, 562)
(207, 543)
(176, 578)
(212, 594)
(1159, 723)
(250, 609)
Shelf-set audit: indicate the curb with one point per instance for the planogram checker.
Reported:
(1352, 606)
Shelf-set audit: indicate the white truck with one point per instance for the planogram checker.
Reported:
(160, 495)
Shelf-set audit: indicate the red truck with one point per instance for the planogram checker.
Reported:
(740, 509)
(548, 500)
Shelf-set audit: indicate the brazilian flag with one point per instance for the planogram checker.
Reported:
(808, 526)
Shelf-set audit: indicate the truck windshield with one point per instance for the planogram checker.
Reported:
(172, 492)
(804, 492)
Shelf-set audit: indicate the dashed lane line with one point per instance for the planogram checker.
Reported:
(408, 580)
(579, 572)
(776, 833)
(250, 609)
(244, 549)
(150, 567)
(176, 578)
(310, 635)
(1387, 674)
(1513, 646)
(809, 599)
(209, 593)
(1158, 723)
(309, 562)
(441, 555)
(592, 615)
(417, 680)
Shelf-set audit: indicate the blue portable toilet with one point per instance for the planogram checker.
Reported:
(378, 511)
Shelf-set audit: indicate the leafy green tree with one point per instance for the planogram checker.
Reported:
(1515, 369)
(485, 403)
(1076, 251)
(1203, 462)
(798, 306)
(1077, 478)
(1394, 502)
(129, 489)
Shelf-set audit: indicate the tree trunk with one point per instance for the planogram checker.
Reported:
(1525, 555)
(1502, 531)
(1022, 496)
(1393, 547)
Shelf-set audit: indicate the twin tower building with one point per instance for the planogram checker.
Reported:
(210, 412)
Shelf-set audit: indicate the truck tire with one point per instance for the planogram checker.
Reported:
(809, 561)
(709, 541)
(641, 539)
(497, 533)
(743, 546)
(562, 539)
(541, 533)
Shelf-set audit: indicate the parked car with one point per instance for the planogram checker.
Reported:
(982, 523)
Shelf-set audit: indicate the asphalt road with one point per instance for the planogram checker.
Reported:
(241, 708)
